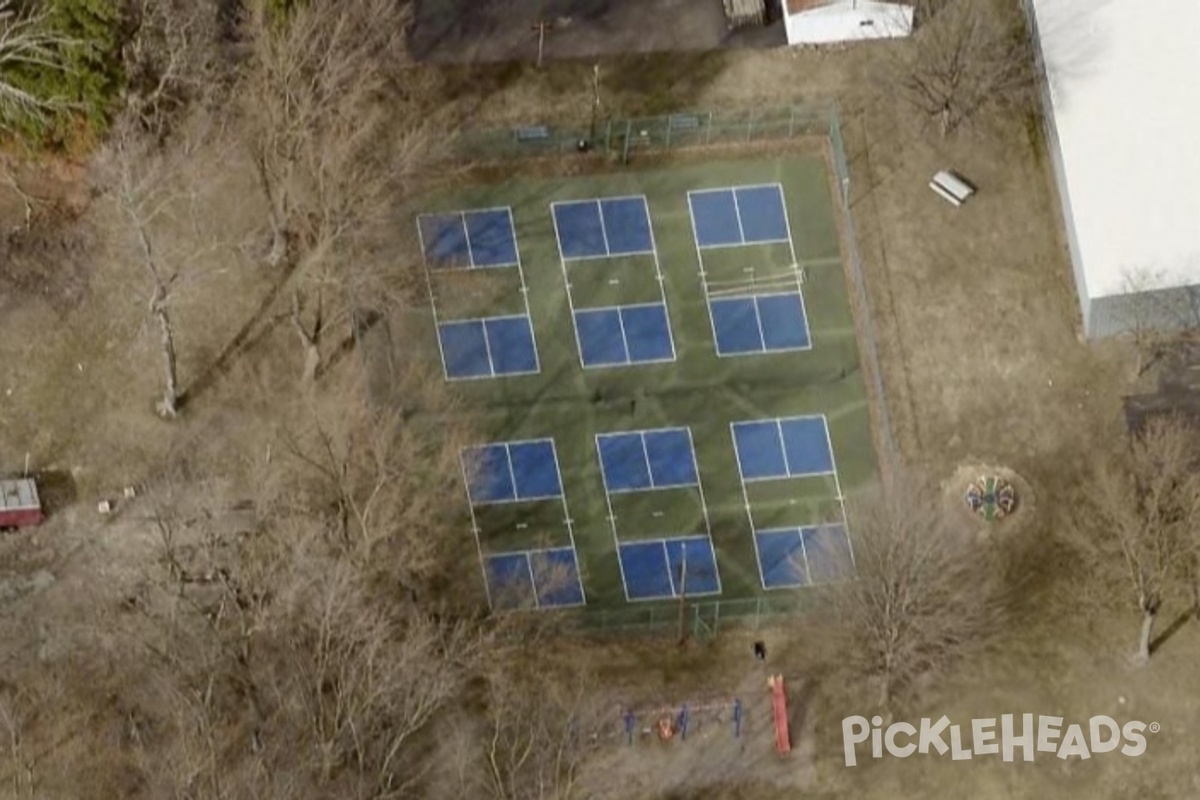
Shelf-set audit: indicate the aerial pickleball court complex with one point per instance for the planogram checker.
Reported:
(662, 370)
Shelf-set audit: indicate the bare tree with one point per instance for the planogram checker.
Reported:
(541, 724)
(173, 240)
(1156, 317)
(173, 57)
(1134, 532)
(967, 59)
(390, 479)
(924, 592)
(338, 123)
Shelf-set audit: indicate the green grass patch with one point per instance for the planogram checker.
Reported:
(793, 502)
(521, 526)
(662, 513)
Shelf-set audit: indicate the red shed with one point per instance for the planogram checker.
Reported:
(19, 503)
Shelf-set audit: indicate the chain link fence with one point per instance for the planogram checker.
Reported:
(698, 619)
(624, 139)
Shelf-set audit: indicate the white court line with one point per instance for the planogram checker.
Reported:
(537, 603)
(624, 338)
(787, 462)
(487, 589)
(567, 284)
(603, 227)
(488, 348)
(612, 519)
(462, 216)
(568, 521)
(837, 482)
(537, 359)
(762, 339)
(799, 282)
(437, 328)
(646, 459)
(700, 487)
(712, 325)
(737, 210)
(670, 572)
(662, 290)
(512, 475)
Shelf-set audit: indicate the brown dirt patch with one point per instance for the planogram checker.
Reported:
(954, 492)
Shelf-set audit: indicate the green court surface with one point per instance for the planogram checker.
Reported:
(699, 389)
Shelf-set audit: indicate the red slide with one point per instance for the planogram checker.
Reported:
(783, 741)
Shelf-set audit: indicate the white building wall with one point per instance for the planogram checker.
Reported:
(1123, 84)
(848, 21)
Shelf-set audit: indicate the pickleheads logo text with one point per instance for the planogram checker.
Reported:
(983, 737)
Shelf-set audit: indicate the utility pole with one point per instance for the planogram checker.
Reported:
(540, 29)
(595, 101)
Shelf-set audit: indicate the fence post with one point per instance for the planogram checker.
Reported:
(792, 123)
(708, 128)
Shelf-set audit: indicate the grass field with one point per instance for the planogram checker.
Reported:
(569, 403)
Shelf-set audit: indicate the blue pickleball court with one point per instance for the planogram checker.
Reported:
(654, 459)
(791, 557)
(488, 348)
(666, 568)
(623, 335)
(739, 215)
(468, 239)
(760, 324)
(601, 228)
(783, 448)
(534, 579)
(508, 472)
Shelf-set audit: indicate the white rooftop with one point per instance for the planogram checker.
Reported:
(1124, 79)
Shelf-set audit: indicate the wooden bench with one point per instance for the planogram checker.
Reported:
(534, 133)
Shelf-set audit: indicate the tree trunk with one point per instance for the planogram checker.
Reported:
(279, 244)
(1196, 592)
(1149, 613)
(309, 341)
(169, 406)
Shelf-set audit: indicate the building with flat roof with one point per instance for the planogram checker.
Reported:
(1121, 92)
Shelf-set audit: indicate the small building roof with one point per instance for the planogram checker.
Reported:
(800, 6)
(1122, 76)
(16, 494)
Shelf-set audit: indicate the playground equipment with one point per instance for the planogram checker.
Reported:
(991, 497)
(783, 741)
(668, 722)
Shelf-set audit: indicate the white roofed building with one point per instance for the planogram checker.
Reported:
(1122, 103)
(830, 21)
